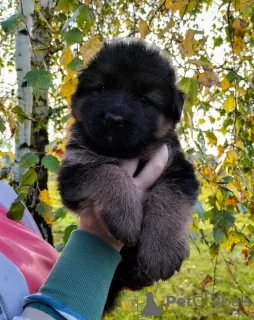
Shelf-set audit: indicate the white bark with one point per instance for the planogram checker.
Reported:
(25, 93)
(41, 41)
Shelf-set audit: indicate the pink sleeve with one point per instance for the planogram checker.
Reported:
(33, 256)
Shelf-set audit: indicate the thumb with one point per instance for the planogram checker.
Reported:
(153, 169)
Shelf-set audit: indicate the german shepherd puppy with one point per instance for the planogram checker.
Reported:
(127, 105)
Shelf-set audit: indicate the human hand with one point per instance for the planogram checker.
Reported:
(90, 218)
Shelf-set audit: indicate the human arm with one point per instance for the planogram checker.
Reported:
(78, 285)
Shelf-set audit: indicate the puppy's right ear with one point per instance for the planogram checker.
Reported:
(76, 99)
(179, 102)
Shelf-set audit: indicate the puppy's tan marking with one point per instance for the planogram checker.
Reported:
(164, 126)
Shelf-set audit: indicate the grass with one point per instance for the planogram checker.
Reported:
(227, 275)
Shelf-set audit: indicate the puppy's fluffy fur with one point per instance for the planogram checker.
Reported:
(127, 105)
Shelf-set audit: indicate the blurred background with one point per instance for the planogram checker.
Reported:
(43, 45)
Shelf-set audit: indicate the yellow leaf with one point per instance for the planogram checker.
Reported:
(68, 87)
(234, 238)
(208, 78)
(238, 44)
(250, 261)
(44, 197)
(188, 7)
(241, 91)
(239, 24)
(178, 4)
(200, 63)
(66, 57)
(49, 218)
(205, 282)
(220, 150)
(143, 28)
(245, 4)
(186, 46)
(229, 104)
(167, 28)
(90, 48)
(212, 139)
(168, 4)
(225, 84)
(231, 201)
(231, 156)
(236, 5)
(68, 125)
(245, 252)
(205, 171)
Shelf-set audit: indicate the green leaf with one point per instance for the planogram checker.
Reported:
(232, 76)
(85, 18)
(30, 159)
(60, 213)
(217, 41)
(212, 139)
(68, 231)
(250, 261)
(75, 65)
(43, 208)
(16, 211)
(29, 177)
(12, 23)
(198, 208)
(20, 114)
(209, 213)
(73, 36)
(250, 227)
(218, 235)
(2, 125)
(22, 191)
(63, 5)
(214, 250)
(227, 179)
(50, 162)
(223, 220)
(189, 86)
(38, 80)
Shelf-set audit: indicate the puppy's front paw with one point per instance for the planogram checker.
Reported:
(160, 258)
(124, 222)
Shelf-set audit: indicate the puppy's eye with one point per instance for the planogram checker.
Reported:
(99, 89)
(145, 101)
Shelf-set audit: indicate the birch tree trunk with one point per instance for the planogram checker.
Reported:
(25, 93)
(41, 39)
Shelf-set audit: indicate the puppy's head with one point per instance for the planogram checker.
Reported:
(127, 97)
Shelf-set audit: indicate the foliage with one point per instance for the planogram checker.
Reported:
(211, 45)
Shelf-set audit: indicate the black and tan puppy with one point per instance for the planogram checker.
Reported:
(127, 105)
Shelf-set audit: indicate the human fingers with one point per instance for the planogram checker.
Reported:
(153, 169)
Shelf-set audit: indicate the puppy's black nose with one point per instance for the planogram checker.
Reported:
(113, 119)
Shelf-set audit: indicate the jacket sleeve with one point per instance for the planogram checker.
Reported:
(78, 285)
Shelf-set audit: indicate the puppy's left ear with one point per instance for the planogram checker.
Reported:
(179, 102)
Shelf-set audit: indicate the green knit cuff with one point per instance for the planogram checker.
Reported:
(82, 276)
